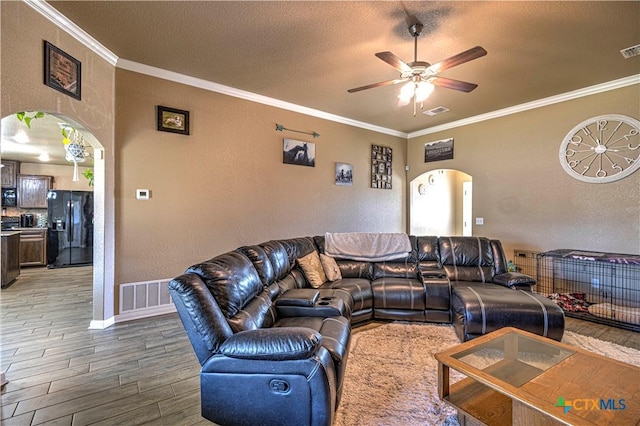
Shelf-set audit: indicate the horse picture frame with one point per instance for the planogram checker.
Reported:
(299, 153)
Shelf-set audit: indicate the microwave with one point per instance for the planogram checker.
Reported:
(9, 198)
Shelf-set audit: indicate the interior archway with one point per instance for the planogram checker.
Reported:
(440, 203)
(45, 135)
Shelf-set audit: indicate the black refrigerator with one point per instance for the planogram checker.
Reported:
(70, 223)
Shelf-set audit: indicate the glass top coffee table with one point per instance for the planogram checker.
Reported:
(516, 377)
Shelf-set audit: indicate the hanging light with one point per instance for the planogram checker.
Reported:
(418, 90)
(423, 91)
(406, 93)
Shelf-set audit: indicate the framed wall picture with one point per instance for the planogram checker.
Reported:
(381, 170)
(299, 153)
(439, 150)
(62, 71)
(344, 174)
(173, 120)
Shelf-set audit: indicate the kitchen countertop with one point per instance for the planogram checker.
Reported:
(10, 233)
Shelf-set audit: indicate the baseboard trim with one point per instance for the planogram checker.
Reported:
(101, 325)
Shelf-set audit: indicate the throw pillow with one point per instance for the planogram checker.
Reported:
(331, 269)
(312, 268)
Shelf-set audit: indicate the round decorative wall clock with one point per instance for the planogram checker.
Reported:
(602, 149)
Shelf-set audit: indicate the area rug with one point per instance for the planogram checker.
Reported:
(392, 378)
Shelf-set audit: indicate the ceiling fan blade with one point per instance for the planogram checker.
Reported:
(460, 58)
(450, 83)
(394, 61)
(382, 83)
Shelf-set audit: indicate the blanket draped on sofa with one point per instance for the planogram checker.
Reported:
(365, 246)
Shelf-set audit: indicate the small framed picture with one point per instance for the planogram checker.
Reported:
(173, 120)
(344, 174)
(62, 71)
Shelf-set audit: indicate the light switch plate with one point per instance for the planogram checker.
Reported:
(143, 194)
(479, 220)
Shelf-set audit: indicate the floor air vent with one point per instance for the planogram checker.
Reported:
(142, 299)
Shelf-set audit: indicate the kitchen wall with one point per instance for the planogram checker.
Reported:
(62, 175)
(62, 179)
(522, 192)
(225, 185)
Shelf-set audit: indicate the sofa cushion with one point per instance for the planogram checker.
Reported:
(467, 258)
(298, 247)
(398, 293)
(312, 268)
(428, 251)
(354, 269)
(479, 309)
(394, 270)
(330, 266)
(232, 280)
(260, 261)
(260, 312)
(277, 254)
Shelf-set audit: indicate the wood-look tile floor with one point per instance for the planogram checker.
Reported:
(137, 372)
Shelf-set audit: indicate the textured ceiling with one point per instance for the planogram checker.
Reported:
(310, 53)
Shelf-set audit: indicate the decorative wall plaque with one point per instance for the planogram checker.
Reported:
(381, 158)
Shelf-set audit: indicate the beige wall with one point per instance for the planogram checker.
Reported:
(225, 185)
(524, 195)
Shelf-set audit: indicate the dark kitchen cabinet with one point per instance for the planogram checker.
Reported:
(10, 257)
(10, 170)
(32, 191)
(33, 247)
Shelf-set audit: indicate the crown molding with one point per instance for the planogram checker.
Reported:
(587, 91)
(72, 29)
(79, 34)
(249, 96)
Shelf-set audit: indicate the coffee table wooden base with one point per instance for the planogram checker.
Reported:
(515, 389)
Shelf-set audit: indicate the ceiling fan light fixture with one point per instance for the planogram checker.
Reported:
(406, 92)
(423, 91)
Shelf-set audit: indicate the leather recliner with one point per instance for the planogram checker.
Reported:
(258, 367)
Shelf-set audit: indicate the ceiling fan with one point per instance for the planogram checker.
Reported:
(421, 77)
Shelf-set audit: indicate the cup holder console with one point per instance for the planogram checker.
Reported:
(300, 304)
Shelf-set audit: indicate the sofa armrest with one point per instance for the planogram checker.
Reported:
(274, 344)
(514, 280)
(433, 273)
(298, 297)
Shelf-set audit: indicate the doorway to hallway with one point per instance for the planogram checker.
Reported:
(441, 203)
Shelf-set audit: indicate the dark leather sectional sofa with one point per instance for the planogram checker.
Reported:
(274, 350)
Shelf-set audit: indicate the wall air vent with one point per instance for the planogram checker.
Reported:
(436, 110)
(630, 52)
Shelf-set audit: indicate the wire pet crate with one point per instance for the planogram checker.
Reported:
(598, 287)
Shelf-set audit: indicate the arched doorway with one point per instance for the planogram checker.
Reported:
(440, 203)
(44, 135)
